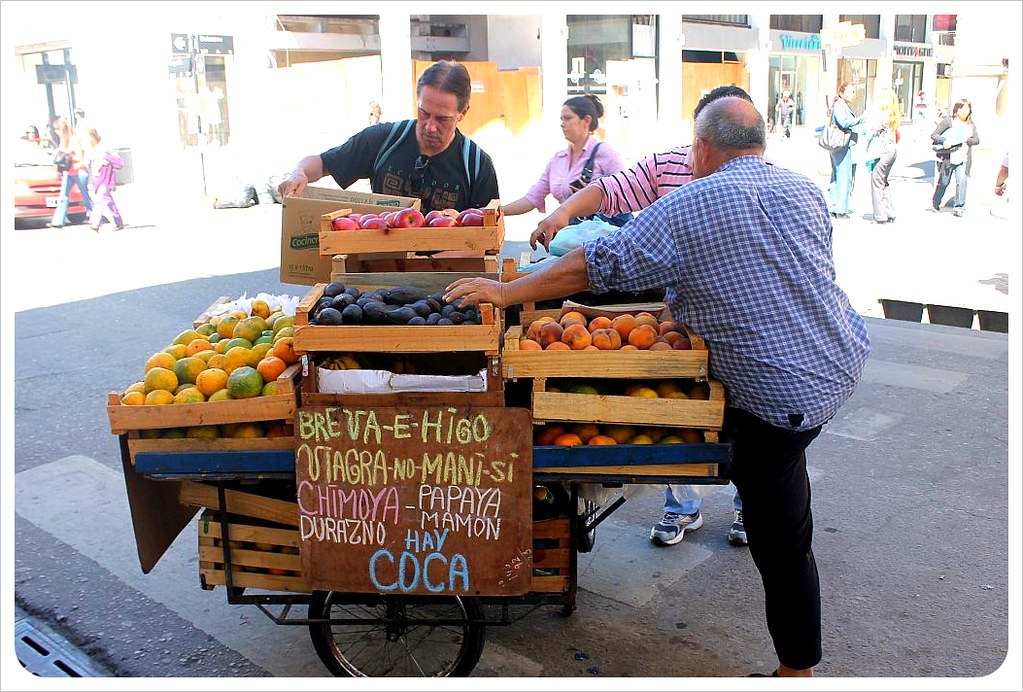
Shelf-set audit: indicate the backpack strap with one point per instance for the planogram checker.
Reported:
(587, 173)
(399, 130)
(471, 159)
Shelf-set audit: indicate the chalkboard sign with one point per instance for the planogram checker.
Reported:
(415, 500)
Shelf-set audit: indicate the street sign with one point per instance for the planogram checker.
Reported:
(180, 45)
(215, 45)
(180, 67)
(56, 74)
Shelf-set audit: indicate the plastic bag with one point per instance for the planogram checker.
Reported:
(571, 237)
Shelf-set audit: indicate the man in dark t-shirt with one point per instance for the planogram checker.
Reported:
(427, 158)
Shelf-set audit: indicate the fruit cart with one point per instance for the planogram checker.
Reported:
(398, 525)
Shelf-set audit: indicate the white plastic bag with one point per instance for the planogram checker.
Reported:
(571, 237)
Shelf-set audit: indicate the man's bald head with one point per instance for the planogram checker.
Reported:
(727, 128)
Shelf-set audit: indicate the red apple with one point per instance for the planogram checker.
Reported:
(355, 216)
(443, 221)
(389, 218)
(431, 215)
(344, 223)
(373, 222)
(409, 218)
(470, 218)
(453, 213)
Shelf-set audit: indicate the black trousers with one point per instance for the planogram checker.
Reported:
(769, 471)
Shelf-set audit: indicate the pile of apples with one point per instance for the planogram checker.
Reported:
(639, 332)
(409, 218)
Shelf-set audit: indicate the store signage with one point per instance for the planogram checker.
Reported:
(56, 74)
(843, 34)
(180, 45)
(912, 50)
(215, 45)
(811, 42)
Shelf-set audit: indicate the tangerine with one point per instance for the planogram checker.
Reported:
(250, 328)
(161, 378)
(197, 345)
(186, 336)
(262, 349)
(548, 434)
(271, 389)
(282, 322)
(217, 360)
(249, 430)
(270, 368)
(187, 369)
(602, 440)
(133, 399)
(206, 329)
(568, 440)
(211, 381)
(189, 395)
(283, 332)
(160, 360)
(139, 386)
(239, 356)
(285, 350)
(221, 395)
(203, 432)
(226, 325)
(244, 382)
(260, 308)
(159, 397)
(177, 350)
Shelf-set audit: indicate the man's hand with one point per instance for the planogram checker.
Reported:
(547, 228)
(473, 291)
(293, 185)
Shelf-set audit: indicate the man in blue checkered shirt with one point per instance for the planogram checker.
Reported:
(745, 255)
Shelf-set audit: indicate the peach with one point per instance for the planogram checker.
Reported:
(690, 435)
(682, 344)
(672, 337)
(602, 440)
(558, 346)
(576, 336)
(623, 324)
(585, 431)
(548, 434)
(665, 327)
(599, 323)
(643, 336)
(646, 318)
(529, 345)
(534, 328)
(573, 315)
(591, 347)
(628, 347)
(660, 346)
(550, 333)
(607, 339)
(568, 440)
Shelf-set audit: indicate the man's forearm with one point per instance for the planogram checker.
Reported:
(563, 277)
(583, 203)
(312, 167)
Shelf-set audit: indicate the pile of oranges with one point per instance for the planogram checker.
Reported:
(575, 434)
(236, 355)
(626, 332)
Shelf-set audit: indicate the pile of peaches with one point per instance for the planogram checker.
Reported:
(639, 332)
(409, 218)
(576, 434)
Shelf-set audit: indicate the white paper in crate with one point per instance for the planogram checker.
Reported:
(387, 382)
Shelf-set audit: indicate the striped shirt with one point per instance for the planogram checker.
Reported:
(746, 257)
(638, 187)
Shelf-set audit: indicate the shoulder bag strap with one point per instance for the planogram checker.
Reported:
(587, 173)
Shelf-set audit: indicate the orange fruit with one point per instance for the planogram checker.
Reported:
(666, 388)
(547, 435)
(237, 341)
(133, 399)
(206, 329)
(620, 433)
(271, 389)
(690, 435)
(285, 350)
(197, 345)
(217, 360)
(226, 325)
(174, 433)
(139, 387)
(237, 357)
(182, 387)
(189, 395)
(220, 395)
(276, 429)
(283, 332)
(187, 369)
(558, 346)
(177, 350)
(270, 368)
(250, 328)
(249, 430)
(187, 336)
(568, 440)
(205, 356)
(244, 382)
(262, 350)
(602, 440)
(159, 397)
(211, 381)
(282, 322)
(641, 440)
(586, 431)
(161, 378)
(203, 432)
(260, 308)
(160, 360)
(529, 345)
(239, 314)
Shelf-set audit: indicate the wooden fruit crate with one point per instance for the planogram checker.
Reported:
(260, 408)
(633, 463)
(137, 445)
(487, 238)
(600, 408)
(424, 279)
(607, 364)
(355, 265)
(261, 557)
(552, 556)
(395, 339)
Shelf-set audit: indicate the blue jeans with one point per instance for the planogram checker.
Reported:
(945, 173)
(841, 180)
(81, 179)
(681, 499)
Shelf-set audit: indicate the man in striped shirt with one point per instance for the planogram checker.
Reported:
(745, 254)
(635, 189)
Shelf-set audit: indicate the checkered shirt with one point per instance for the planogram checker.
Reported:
(745, 255)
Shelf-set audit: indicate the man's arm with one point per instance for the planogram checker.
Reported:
(308, 170)
(563, 277)
(1003, 175)
(582, 203)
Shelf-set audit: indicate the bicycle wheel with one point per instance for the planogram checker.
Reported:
(403, 636)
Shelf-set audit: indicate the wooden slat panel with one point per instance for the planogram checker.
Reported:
(476, 238)
(259, 408)
(252, 558)
(396, 339)
(550, 584)
(551, 528)
(682, 413)
(551, 557)
(429, 281)
(612, 364)
(253, 580)
(494, 398)
(221, 444)
(344, 264)
(210, 531)
(247, 504)
(658, 470)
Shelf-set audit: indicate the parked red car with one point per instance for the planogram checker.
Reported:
(37, 187)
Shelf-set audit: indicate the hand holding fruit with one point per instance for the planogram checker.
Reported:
(473, 291)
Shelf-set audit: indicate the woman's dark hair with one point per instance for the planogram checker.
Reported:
(838, 94)
(32, 129)
(959, 104)
(448, 76)
(586, 105)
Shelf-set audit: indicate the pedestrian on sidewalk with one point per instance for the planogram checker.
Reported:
(954, 139)
(76, 175)
(103, 166)
(786, 110)
(882, 139)
(842, 170)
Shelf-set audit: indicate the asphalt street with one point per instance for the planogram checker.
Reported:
(911, 482)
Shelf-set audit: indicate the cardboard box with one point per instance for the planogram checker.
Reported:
(386, 382)
(301, 262)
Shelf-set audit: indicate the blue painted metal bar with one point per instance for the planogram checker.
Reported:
(631, 455)
(222, 464)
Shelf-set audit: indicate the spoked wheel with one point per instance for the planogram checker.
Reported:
(585, 539)
(403, 636)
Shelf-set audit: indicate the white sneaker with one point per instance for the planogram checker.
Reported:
(672, 527)
(737, 533)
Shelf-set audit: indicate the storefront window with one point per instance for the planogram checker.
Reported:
(592, 41)
(908, 81)
(862, 73)
(871, 23)
(797, 74)
(910, 27)
(201, 94)
(807, 23)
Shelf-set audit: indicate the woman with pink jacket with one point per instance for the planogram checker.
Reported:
(103, 167)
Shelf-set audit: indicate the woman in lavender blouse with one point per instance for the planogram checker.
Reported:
(564, 172)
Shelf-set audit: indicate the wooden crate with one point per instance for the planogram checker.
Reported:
(262, 557)
(599, 408)
(394, 339)
(552, 556)
(137, 444)
(260, 408)
(487, 238)
(248, 504)
(206, 314)
(606, 364)
(429, 280)
(355, 265)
